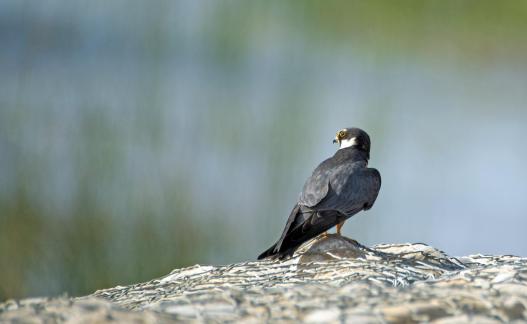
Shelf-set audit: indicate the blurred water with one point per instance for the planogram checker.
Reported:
(138, 137)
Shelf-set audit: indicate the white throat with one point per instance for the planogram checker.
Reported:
(348, 142)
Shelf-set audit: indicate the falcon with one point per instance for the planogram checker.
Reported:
(339, 188)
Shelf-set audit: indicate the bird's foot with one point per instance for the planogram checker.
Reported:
(339, 227)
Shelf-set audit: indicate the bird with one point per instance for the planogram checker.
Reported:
(339, 187)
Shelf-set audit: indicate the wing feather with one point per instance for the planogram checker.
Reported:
(357, 192)
(331, 195)
(317, 185)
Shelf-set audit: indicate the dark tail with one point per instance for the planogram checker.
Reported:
(272, 254)
(277, 251)
(303, 224)
(267, 253)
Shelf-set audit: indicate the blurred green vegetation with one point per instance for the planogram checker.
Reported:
(473, 30)
(113, 225)
(88, 249)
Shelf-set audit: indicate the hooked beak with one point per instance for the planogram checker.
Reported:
(336, 141)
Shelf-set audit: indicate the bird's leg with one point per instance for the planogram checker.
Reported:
(339, 226)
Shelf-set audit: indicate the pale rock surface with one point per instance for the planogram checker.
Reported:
(332, 279)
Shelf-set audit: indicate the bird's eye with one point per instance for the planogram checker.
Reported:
(341, 134)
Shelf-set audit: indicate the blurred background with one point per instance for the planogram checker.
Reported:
(141, 136)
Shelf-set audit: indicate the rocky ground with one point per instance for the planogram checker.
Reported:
(331, 279)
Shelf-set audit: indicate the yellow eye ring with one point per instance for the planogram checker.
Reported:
(341, 134)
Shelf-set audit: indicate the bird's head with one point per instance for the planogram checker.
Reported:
(353, 137)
